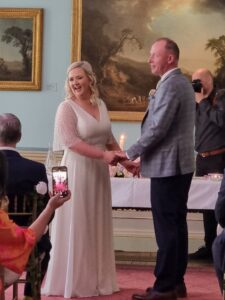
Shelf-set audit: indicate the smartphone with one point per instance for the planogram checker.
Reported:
(60, 180)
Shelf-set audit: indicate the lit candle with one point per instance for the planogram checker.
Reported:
(122, 140)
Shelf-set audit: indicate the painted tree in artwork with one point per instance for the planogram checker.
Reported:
(217, 46)
(21, 39)
(99, 48)
(121, 81)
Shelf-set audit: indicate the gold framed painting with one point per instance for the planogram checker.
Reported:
(21, 48)
(115, 36)
(123, 82)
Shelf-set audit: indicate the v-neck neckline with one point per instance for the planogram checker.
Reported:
(99, 112)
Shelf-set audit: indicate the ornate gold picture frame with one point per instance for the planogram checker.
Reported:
(124, 103)
(115, 37)
(21, 48)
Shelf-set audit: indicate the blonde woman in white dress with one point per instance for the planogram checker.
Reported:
(82, 260)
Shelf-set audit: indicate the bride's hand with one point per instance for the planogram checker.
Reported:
(109, 157)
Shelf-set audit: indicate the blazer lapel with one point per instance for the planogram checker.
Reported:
(157, 87)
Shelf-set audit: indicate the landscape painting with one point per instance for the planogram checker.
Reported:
(20, 48)
(115, 37)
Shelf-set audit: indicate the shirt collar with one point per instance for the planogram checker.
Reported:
(8, 148)
(167, 73)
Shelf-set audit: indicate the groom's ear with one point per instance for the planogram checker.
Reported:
(171, 58)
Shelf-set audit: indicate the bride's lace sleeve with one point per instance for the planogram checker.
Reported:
(65, 131)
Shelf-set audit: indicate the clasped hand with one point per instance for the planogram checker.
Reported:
(115, 157)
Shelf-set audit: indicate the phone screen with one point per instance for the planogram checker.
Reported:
(60, 180)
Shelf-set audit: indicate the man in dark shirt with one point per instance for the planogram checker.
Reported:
(209, 145)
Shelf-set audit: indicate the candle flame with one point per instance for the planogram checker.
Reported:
(122, 140)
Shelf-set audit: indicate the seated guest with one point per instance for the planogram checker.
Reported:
(16, 243)
(23, 175)
(218, 248)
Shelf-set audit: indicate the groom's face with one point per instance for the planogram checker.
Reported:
(159, 58)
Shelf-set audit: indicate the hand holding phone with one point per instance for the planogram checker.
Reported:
(60, 180)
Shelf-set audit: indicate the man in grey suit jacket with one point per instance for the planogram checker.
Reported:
(166, 149)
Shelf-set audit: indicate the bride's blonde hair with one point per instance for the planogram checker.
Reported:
(93, 82)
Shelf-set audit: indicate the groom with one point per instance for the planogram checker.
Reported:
(167, 156)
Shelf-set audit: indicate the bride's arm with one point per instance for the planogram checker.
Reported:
(92, 151)
(86, 149)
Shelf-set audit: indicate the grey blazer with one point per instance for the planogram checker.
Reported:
(166, 145)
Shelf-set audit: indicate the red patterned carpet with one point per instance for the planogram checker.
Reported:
(200, 280)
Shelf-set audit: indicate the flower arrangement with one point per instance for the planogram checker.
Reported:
(41, 188)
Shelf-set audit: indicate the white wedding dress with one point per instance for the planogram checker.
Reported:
(82, 262)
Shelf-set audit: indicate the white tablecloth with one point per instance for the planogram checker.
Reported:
(135, 193)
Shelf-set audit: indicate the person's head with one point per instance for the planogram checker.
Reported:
(3, 175)
(10, 130)
(206, 79)
(163, 56)
(81, 81)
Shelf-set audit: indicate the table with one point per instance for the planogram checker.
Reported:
(135, 193)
